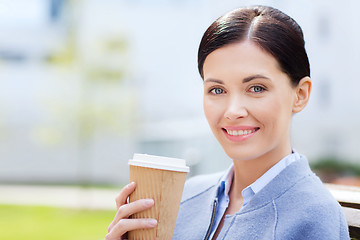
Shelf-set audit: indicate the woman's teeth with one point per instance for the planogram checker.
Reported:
(240, 132)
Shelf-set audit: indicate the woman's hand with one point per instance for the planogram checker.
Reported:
(122, 224)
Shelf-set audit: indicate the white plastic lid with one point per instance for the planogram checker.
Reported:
(166, 163)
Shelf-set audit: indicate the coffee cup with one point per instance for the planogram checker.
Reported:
(161, 179)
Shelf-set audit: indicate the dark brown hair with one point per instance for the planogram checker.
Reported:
(271, 29)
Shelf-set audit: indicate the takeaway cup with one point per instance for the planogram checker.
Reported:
(162, 179)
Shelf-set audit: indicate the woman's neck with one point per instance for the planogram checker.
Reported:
(247, 172)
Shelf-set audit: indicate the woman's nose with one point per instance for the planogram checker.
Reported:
(236, 109)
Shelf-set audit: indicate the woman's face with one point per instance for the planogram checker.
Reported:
(248, 102)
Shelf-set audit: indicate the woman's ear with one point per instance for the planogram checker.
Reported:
(303, 90)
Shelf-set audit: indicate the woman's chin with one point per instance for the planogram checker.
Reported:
(236, 156)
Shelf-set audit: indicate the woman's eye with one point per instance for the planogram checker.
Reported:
(257, 89)
(217, 91)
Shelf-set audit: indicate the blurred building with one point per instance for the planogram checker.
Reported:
(85, 84)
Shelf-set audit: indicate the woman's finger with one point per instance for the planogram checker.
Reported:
(126, 225)
(121, 199)
(127, 210)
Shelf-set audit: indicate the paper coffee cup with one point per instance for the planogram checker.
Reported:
(162, 179)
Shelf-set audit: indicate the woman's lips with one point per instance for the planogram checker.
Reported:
(239, 133)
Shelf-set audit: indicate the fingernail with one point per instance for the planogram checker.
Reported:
(152, 222)
(149, 202)
(131, 184)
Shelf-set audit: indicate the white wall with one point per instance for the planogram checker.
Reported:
(161, 93)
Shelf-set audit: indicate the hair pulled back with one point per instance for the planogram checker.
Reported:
(269, 28)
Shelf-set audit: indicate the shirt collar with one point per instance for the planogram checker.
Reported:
(249, 192)
(261, 182)
(226, 181)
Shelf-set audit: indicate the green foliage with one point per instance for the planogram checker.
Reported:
(105, 76)
(36, 222)
(335, 165)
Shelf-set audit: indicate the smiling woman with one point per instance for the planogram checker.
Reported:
(256, 77)
(256, 98)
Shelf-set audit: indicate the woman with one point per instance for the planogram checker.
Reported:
(256, 76)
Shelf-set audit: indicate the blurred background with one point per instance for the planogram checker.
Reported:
(86, 83)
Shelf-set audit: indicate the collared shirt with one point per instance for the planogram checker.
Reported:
(249, 192)
(293, 205)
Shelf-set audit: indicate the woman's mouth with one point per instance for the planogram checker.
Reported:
(238, 134)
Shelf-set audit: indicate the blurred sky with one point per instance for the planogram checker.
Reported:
(86, 83)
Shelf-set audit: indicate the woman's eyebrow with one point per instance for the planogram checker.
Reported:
(245, 80)
(248, 79)
(213, 80)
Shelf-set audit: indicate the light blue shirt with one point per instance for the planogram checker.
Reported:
(249, 192)
(293, 205)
